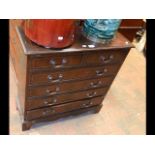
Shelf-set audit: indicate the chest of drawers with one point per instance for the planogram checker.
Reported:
(58, 83)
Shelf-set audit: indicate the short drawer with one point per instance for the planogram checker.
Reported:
(64, 98)
(69, 86)
(55, 61)
(44, 112)
(104, 57)
(73, 74)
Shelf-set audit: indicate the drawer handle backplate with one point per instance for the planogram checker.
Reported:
(101, 73)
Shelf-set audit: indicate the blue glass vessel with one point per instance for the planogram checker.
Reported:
(100, 30)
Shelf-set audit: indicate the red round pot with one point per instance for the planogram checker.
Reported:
(50, 33)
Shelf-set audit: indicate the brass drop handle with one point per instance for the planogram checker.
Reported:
(106, 60)
(100, 73)
(50, 92)
(94, 85)
(48, 111)
(87, 104)
(50, 103)
(60, 77)
(91, 94)
(47, 103)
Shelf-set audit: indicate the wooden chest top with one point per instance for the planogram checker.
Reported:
(81, 44)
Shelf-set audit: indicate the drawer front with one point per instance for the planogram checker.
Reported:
(64, 98)
(106, 57)
(55, 61)
(74, 74)
(69, 87)
(44, 112)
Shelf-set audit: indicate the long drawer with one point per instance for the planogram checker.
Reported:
(64, 98)
(69, 86)
(73, 74)
(44, 112)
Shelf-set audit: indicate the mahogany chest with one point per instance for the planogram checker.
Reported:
(57, 83)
